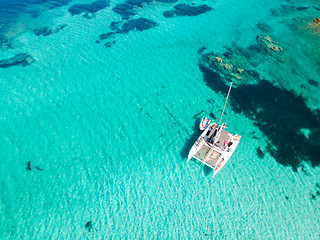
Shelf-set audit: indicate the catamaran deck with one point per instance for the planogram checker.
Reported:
(224, 137)
(211, 160)
(210, 153)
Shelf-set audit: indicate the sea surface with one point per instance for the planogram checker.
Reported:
(100, 103)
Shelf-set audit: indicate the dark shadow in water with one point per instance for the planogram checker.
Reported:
(260, 153)
(185, 150)
(279, 114)
(207, 170)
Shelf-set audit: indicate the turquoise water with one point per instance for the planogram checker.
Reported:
(95, 131)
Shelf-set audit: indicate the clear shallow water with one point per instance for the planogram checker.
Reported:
(106, 130)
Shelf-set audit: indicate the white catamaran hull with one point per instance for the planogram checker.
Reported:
(198, 144)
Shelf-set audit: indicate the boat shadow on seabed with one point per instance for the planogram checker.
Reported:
(280, 114)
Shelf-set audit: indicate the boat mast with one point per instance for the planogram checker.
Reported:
(221, 115)
(224, 106)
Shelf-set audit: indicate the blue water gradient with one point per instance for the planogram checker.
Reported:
(101, 102)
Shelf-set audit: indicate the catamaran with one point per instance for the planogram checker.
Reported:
(215, 145)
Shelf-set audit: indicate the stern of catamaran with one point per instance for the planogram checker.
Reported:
(228, 151)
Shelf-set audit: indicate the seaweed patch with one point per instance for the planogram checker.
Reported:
(167, 1)
(21, 59)
(186, 10)
(139, 24)
(316, 194)
(46, 31)
(89, 9)
(5, 43)
(28, 166)
(264, 27)
(129, 8)
(89, 226)
(109, 44)
(313, 83)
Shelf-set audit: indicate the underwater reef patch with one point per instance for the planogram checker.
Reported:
(5, 44)
(114, 26)
(109, 44)
(46, 31)
(187, 10)
(89, 9)
(233, 65)
(167, 1)
(21, 59)
(131, 7)
(270, 46)
(278, 113)
(284, 9)
(139, 24)
(264, 27)
(313, 83)
(104, 36)
(316, 193)
(51, 4)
